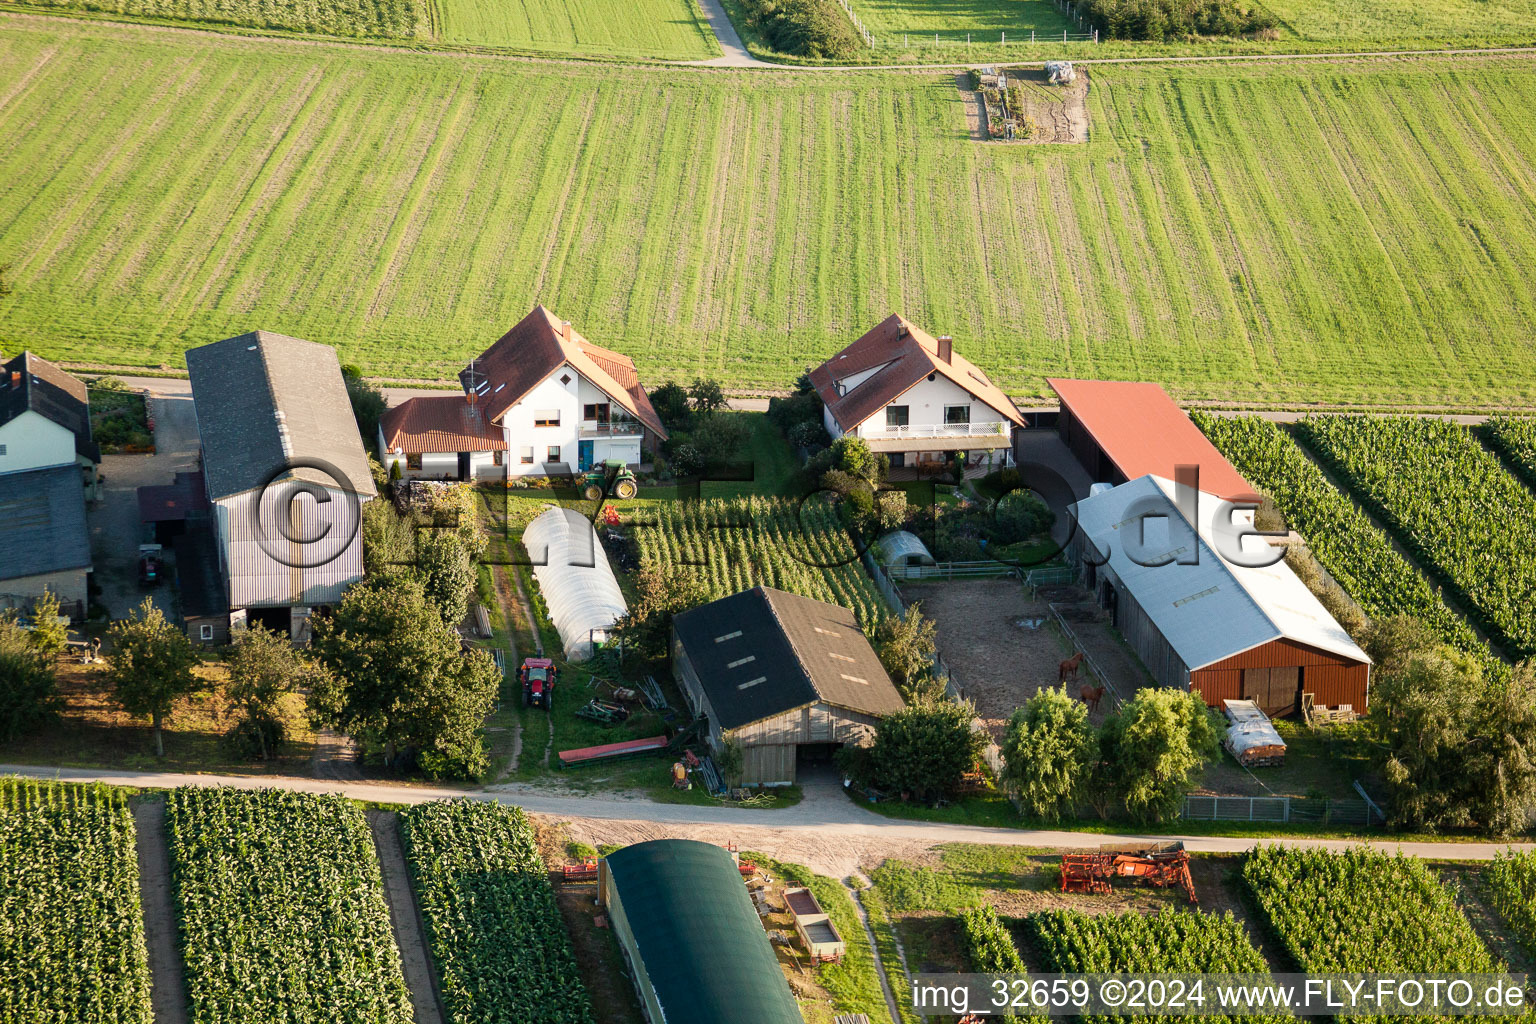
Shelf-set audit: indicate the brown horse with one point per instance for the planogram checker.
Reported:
(1091, 695)
(1068, 669)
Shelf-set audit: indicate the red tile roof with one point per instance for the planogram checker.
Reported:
(439, 423)
(536, 347)
(907, 355)
(1141, 430)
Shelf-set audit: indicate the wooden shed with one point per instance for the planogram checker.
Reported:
(1207, 617)
(779, 673)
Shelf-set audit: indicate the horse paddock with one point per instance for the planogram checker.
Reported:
(1000, 646)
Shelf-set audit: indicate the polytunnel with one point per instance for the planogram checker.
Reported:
(574, 576)
(902, 547)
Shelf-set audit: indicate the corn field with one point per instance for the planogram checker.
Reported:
(1357, 554)
(282, 910)
(1363, 911)
(497, 937)
(1514, 437)
(739, 543)
(1452, 504)
(1510, 883)
(1172, 942)
(71, 935)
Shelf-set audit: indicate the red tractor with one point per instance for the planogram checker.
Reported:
(538, 678)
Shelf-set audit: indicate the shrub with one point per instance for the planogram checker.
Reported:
(805, 28)
(1160, 20)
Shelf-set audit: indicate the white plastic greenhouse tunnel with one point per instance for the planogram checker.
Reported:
(574, 576)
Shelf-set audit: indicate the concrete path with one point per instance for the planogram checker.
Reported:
(735, 52)
(821, 815)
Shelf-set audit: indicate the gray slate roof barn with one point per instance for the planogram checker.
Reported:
(264, 399)
(780, 672)
(42, 523)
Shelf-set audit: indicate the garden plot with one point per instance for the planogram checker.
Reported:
(1059, 113)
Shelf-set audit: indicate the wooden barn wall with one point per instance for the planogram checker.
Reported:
(1145, 638)
(767, 764)
(1330, 678)
(818, 723)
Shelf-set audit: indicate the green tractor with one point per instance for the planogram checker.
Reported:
(623, 484)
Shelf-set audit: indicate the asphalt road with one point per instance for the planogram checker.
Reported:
(827, 814)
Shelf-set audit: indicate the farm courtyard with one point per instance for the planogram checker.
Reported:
(1344, 232)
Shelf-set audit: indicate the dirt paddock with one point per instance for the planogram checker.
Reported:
(997, 659)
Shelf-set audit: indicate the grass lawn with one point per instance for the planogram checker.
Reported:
(393, 19)
(669, 29)
(92, 732)
(1250, 233)
(1405, 19)
(903, 24)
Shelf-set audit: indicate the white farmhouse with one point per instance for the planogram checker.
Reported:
(914, 398)
(540, 401)
(286, 475)
(47, 472)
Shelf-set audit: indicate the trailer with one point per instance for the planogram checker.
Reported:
(612, 751)
(814, 926)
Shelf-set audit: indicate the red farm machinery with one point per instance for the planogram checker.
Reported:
(1162, 864)
(538, 678)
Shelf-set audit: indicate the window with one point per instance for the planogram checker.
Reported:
(895, 415)
(527, 456)
(546, 418)
(496, 458)
(898, 460)
(565, 379)
(957, 414)
(413, 461)
(554, 453)
(2, 451)
(597, 411)
(205, 632)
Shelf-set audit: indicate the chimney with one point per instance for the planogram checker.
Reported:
(565, 330)
(16, 379)
(946, 347)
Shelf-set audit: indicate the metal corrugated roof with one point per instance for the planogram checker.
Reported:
(705, 951)
(1213, 609)
(1143, 431)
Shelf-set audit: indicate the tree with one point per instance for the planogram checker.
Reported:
(663, 590)
(150, 666)
(1461, 750)
(906, 644)
(368, 403)
(396, 676)
(448, 573)
(388, 545)
(1049, 751)
(1020, 515)
(1153, 749)
(28, 685)
(263, 668)
(925, 749)
(671, 404)
(730, 760)
(719, 436)
(50, 630)
(706, 396)
(852, 456)
(1393, 641)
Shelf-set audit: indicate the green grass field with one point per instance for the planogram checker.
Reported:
(396, 19)
(1405, 19)
(671, 29)
(902, 24)
(1317, 232)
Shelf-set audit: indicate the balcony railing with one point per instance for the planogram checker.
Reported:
(613, 428)
(937, 430)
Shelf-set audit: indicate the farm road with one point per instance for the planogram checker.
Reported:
(826, 831)
(167, 994)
